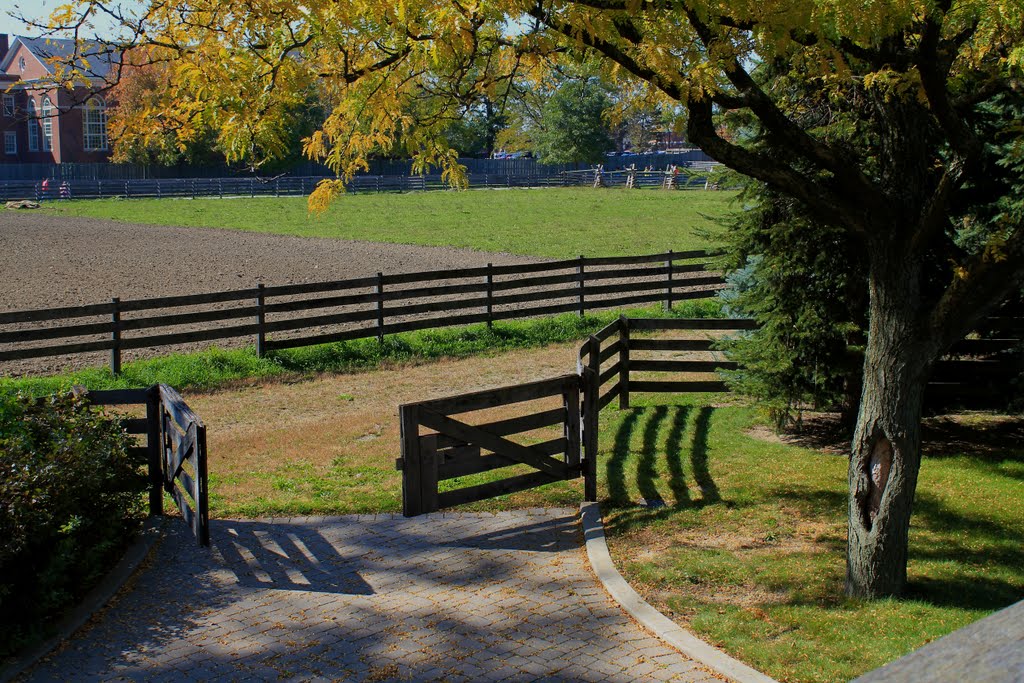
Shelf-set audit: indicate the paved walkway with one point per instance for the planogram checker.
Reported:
(453, 597)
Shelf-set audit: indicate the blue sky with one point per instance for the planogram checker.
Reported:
(38, 9)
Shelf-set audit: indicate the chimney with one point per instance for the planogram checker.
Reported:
(5, 45)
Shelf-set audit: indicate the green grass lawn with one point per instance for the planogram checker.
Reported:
(747, 547)
(554, 222)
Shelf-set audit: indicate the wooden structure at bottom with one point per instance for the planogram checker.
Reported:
(456, 448)
(175, 450)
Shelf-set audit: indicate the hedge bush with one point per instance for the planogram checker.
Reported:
(70, 500)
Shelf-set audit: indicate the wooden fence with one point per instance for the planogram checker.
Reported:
(285, 186)
(456, 449)
(453, 449)
(175, 451)
(278, 317)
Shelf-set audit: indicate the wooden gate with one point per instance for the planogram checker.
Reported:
(456, 448)
(175, 450)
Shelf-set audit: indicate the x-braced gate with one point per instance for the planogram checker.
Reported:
(456, 448)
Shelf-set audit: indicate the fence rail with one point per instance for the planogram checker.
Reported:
(286, 316)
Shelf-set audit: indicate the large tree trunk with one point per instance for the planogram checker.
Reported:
(886, 449)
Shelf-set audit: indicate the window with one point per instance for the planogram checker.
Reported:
(10, 142)
(8, 105)
(33, 125)
(21, 64)
(95, 124)
(47, 124)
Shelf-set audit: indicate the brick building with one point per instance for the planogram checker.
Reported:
(41, 122)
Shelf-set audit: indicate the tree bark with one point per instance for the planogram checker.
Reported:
(886, 448)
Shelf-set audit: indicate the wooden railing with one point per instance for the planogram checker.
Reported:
(175, 450)
(453, 449)
(279, 317)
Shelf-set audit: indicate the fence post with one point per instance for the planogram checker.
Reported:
(580, 273)
(261, 321)
(220, 187)
(412, 495)
(623, 362)
(591, 409)
(668, 287)
(490, 295)
(380, 307)
(156, 475)
(115, 336)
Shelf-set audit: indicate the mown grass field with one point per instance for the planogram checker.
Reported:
(554, 222)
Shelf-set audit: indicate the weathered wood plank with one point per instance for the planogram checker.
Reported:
(608, 352)
(60, 350)
(135, 425)
(437, 291)
(513, 425)
(692, 324)
(188, 337)
(473, 465)
(608, 331)
(185, 300)
(608, 373)
(658, 365)
(188, 318)
(318, 287)
(331, 337)
(490, 398)
(176, 407)
(412, 498)
(320, 320)
(21, 336)
(678, 387)
(608, 397)
(110, 397)
(536, 281)
(322, 302)
(44, 314)
(491, 442)
(642, 344)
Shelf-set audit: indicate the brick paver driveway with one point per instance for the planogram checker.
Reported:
(459, 596)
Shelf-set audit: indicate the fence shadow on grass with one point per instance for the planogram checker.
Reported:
(676, 420)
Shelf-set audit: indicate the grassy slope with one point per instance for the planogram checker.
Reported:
(749, 548)
(557, 223)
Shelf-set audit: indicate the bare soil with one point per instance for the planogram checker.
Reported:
(49, 261)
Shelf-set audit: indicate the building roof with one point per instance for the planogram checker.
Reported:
(93, 59)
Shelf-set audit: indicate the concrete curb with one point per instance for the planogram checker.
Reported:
(93, 602)
(650, 618)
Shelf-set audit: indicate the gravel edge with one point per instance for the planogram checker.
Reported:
(94, 601)
(650, 618)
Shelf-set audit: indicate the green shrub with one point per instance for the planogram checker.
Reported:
(70, 499)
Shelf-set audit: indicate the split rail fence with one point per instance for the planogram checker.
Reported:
(608, 365)
(286, 316)
(175, 450)
(289, 186)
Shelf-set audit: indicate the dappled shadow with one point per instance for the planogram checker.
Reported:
(543, 535)
(652, 507)
(674, 457)
(616, 466)
(646, 465)
(992, 440)
(699, 457)
(285, 557)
